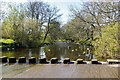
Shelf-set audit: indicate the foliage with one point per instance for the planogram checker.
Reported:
(7, 41)
(99, 27)
(55, 31)
(96, 15)
(107, 45)
(24, 24)
(75, 30)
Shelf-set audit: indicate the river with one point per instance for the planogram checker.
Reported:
(59, 49)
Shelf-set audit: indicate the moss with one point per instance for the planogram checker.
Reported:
(7, 41)
(100, 59)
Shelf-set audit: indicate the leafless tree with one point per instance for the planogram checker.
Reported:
(52, 15)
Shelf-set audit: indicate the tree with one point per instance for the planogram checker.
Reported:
(52, 15)
(43, 13)
(96, 14)
(101, 19)
(55, 30)
(20, 28)
(107, 46)
(24, 23)
(76, 30)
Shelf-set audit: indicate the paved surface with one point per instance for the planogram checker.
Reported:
(70, 71)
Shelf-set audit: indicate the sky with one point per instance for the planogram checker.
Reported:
(63, 5)
(64, 9)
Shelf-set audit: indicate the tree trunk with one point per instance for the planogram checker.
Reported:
(46, 33)
(92, 32)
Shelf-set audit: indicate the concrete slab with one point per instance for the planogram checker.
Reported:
(69, 71)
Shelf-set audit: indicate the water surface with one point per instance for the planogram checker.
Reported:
(60, 50)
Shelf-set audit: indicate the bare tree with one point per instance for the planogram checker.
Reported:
(43, 13)
(52, 15)
(97, 14)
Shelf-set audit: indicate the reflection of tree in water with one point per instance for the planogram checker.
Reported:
(61, 50)
(54, 50)
(30, 53)
(8, 53)
(42, 53)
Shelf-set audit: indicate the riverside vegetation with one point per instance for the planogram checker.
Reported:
(33, 24)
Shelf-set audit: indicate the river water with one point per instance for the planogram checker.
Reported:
(59, 50)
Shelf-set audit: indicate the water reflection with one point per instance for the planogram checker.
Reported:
(59, 50)
(42, 52)
(30, 53)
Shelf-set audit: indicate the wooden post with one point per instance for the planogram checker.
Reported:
(66, 60)
(22, 60)
(54, 60)
(32, 60)
(3, 59)
(12, 60)
(79, 61)
(94, 61)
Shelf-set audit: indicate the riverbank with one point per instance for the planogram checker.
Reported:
(68, 71)
(9, 44)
